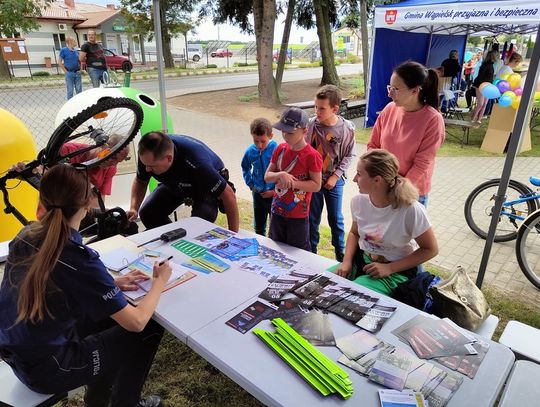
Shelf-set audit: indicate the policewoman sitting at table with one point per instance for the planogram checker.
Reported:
(391, 235)
(64, 321)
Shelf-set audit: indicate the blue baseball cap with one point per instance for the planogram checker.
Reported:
(291, 119)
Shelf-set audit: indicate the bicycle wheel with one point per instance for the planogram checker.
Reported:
(479, 208)
(528, 248)
(96, 134)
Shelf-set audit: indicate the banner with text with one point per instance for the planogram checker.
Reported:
(495, 12)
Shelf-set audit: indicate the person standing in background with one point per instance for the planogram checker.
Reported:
(94, 57)
(411, 126)
(486, 74)
(69, 62)
(333, 138)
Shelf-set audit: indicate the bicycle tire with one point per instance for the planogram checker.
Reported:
(528, 248)
(119, 116)
(506, 230)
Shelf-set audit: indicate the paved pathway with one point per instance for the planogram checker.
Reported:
(454, 178)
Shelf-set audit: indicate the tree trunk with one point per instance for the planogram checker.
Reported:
(165, 38)
(264, 16)
(282, 56)
(365, 44)
(324, 31)
(4, 68)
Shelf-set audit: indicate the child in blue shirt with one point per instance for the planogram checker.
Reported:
(254, 165)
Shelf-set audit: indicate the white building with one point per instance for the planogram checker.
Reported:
(67, 18)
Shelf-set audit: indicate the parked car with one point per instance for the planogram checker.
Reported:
(195, 52)
(221, 53)
(118, 61)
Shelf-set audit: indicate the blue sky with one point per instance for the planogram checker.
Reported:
(209, 31)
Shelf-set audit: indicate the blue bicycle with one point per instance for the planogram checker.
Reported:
(521, 201)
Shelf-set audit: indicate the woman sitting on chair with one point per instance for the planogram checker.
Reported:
(390, 234)
(64, 321)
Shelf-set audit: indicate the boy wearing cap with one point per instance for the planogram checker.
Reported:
(295, 168)
(333, 138)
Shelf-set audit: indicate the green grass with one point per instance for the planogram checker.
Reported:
(183, 378)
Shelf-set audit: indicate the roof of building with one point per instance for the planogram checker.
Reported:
(95, 19)
(59, 11)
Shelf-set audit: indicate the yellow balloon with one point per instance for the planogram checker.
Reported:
(505, 76)
(16, 144)
(515, 102)
(536, 95)
(514, 80)
(509, 93)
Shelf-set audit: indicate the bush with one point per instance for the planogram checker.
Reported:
(311, 65)
(211, 66)
(41, 73)
(353, 59)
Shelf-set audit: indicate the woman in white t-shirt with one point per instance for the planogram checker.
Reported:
(512, 62)
(390, 234)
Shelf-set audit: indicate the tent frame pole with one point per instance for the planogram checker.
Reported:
(514, 145)
(368, 86)
(161, 65)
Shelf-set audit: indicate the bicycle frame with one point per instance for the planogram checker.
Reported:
(515, 202)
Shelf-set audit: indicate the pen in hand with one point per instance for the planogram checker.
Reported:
(161, 263)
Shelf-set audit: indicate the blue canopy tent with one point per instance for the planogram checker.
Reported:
(416, 26)
(426, 30)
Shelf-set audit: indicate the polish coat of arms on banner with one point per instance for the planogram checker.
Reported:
(390, 16)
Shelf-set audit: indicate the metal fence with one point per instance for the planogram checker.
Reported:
(35, 102)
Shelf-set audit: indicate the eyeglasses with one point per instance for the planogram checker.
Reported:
(391, 88)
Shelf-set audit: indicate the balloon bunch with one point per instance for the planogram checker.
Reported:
(508, 89)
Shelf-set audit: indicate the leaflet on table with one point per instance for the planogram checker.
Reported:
(397, 368)
(433, 338)
(375, 317)
(213, 237)
(145, 264)
(247, 252)
(250, 317)
(281, 285)
(206, 263)
(405, 398)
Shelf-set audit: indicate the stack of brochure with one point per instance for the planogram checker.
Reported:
(319, 371)
(395, 368)
(443, 341)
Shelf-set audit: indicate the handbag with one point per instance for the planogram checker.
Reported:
(459, 299)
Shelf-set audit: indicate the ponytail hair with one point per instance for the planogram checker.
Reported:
(63, 191)
(401, 192)
(415, 74)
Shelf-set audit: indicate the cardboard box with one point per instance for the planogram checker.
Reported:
(499, 128)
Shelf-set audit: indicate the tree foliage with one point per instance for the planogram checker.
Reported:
(176, 18)
(18, 16)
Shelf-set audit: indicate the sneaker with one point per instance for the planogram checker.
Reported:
(150, 401)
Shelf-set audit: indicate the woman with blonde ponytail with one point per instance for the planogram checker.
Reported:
(64, 321)
(390, 234)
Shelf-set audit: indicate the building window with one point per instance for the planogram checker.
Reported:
(59, 41)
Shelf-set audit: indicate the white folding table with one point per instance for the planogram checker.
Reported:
(197, 310)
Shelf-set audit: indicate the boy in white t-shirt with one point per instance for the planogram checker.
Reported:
(390, 234)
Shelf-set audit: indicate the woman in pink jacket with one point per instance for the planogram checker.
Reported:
(411, 126)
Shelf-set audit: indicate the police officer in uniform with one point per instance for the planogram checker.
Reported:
(189, 172)
(64, 321)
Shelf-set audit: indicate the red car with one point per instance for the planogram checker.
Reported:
(117, 61)
(221, 53)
